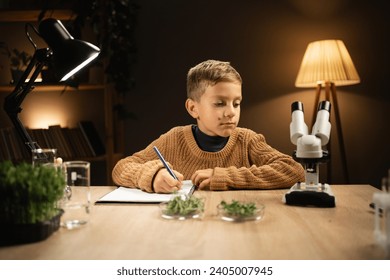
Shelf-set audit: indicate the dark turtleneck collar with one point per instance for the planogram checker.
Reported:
(208, 143)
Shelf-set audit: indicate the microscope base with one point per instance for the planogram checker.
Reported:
(317, 196)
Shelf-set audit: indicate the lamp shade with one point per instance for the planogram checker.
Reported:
(326, 61)
(69, 55)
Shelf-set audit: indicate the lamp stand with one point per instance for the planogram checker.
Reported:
(330, 93)
(13, 101)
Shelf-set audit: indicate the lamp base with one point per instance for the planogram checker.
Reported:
(320, 195)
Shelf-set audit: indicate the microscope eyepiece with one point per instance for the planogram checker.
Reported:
(298, 128)
(297, 105)
(322, 126)
(324, 105)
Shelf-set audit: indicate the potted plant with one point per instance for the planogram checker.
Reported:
(29, 199)
(18, 60)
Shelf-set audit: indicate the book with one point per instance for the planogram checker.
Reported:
(72, 142)
(38, 135)
(61, 142)
(25, 151)
(49, 138)
(135, 195)
(79, 142)
(10, 143)
(5, 149)
(92, 137)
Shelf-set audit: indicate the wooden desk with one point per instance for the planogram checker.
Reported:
(133, 231)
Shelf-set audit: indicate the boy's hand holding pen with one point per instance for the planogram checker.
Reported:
(166, 180)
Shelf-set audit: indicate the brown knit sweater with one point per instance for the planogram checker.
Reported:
(246, 162)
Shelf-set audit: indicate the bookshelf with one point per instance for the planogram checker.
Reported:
(16, 150)
(112, 125)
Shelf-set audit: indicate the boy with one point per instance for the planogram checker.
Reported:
(215, 154)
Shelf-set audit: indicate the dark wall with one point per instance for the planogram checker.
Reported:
(265, 41)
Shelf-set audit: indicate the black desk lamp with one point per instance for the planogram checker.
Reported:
(68, 56)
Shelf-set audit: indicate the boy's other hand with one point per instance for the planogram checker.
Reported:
(165, 183)
(202, 178)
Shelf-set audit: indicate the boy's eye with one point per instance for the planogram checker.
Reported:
(221, 104)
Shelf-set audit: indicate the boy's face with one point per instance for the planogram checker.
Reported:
(218, 110)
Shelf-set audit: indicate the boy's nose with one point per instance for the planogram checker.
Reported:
(230, 112)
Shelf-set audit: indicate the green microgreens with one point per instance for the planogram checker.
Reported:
(29, 194)
(184, 205)
(236, 208)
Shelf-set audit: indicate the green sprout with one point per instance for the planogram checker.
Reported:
(236, 208)
(180, 205)
(29, 194)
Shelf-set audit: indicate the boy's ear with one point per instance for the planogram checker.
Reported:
(191, 107)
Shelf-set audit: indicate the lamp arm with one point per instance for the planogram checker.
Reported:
(14, 100)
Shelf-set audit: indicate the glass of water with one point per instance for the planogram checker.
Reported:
(44, 156)
(77, 197)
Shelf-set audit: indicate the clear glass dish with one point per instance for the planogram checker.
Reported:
(227, 216)
(191, 212)
(166, 214)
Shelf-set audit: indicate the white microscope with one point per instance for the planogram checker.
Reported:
(310, 154)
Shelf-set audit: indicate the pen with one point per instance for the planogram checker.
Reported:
(164, 162)
(191, 190)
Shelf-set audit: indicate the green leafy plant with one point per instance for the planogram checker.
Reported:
(240, 209)
(180, 205)
(29, 194)
(18, 59)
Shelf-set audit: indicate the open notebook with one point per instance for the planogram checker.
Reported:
(133, 195)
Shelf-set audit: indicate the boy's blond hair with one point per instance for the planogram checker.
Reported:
(209, 73)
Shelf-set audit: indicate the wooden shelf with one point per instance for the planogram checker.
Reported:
(49, 87)
(32, 15)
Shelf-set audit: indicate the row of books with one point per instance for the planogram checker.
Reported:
(78, 142)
